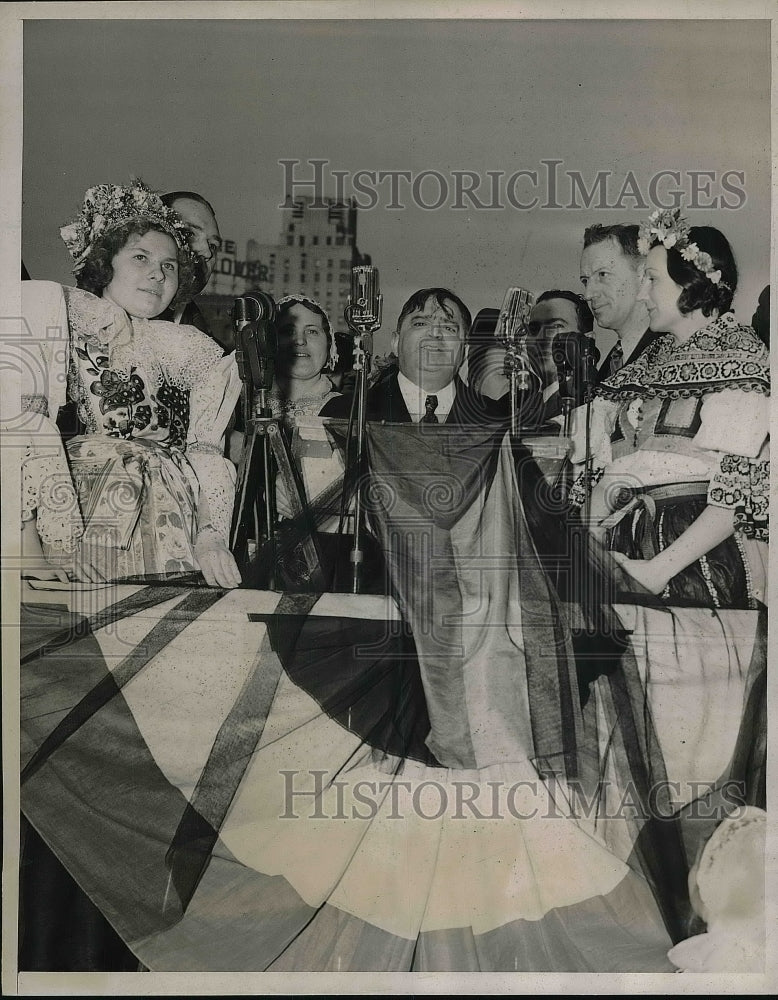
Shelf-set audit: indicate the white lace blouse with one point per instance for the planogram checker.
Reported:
(131, 379)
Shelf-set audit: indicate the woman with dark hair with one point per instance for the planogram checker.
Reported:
(306, 354)
(145, 490)
(680, 436)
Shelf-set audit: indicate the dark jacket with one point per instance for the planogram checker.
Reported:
(605, 368)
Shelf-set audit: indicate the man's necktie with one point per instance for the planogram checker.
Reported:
(617, 358)
(430, 405)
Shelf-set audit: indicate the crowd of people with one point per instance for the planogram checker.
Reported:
(678, 429)
(129, 468)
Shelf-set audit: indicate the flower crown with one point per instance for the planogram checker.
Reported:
(314, 306)
(107, 206)
(666, 226)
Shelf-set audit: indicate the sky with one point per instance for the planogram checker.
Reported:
(213, 106)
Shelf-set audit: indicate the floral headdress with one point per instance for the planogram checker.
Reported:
(666, 226)
(107, 206)
(314, 306)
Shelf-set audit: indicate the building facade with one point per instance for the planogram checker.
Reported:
(314, 254)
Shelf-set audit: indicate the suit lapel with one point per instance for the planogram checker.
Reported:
(459, 406)
(642, 344)
(388, 403)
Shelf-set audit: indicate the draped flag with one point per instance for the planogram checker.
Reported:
(252, 781)
(240, 782)
(493, 646)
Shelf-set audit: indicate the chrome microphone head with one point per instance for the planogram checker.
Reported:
(365, 302)
(262, 304)
(512, 331)
(514, 315)
(251, 308)
(244, 311)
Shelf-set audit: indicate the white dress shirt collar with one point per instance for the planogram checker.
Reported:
(415, 398)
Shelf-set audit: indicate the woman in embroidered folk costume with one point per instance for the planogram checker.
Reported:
(145, 490)
(680, 436)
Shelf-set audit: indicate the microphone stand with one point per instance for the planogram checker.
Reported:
(512, 332)
(363, 317)
(361, 330)
(584, 570)
(268, 426)
(361, 362)
(259, 424)
(562, 482)
(589, 383)
(256, 371)
(518, 380)
(564, 374)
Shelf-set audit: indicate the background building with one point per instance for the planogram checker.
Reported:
(314, 254)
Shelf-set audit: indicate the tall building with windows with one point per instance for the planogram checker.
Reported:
(314, 254)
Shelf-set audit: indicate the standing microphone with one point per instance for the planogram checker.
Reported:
(591, 357)
(363, 316)
(253, 318)
(365, 302)
(243, 314)
(512, 330)
(513, 320)
(256, 346)
(575, 357)
(564, 353)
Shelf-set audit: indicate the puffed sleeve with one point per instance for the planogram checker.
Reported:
(43, 347)
(734, 422)
(48, 493)
(743, 486)
(735, 425)
(212, 401)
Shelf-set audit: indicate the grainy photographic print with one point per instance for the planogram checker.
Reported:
(385, 439)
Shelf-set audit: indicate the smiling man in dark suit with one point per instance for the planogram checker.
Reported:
(612, 273)
(424, 387)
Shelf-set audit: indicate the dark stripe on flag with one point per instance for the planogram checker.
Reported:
(450, 512)
(54, 626)
(143, 600)
(659, 845)
(749, 760)
(550, 665)
(165, 630)
(236, 741)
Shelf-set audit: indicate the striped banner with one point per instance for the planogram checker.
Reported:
(249, 781)
(198, 761)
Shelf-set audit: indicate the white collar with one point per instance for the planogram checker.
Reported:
(415, 397)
